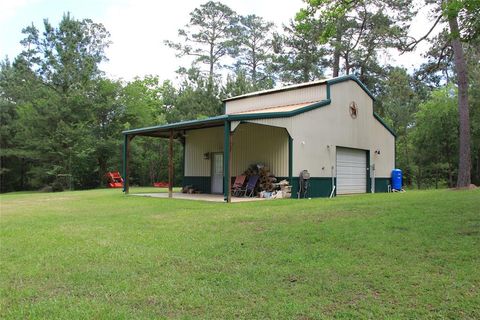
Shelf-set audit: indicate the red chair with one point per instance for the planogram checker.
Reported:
(238, 184)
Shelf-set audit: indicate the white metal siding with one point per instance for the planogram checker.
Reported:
(283, 98)
(316, 133)
(275, 122)
(351, 171)
(253, 143)
(197, 143)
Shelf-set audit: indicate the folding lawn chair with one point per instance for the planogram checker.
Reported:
(250, 187)
(238, 184)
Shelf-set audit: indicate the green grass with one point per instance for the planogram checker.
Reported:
(98, 254)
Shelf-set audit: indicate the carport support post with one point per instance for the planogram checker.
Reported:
(170, 165)
(290, 159)
(227, 152)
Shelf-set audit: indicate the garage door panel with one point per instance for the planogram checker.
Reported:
(351, 171)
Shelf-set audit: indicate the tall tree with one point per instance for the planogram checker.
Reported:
(299, 56)
(397, 102)
(195, 98)
(460, 23)
(435, 137)
(68, 55)
(208, 36)
(356, 30)
(255, 49)
(237, 84)
(54, 77)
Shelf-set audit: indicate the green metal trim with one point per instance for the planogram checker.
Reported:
(266, 115)
(369, 178)
(184, 144)
(124, 167)
(176, 125)
(381, 184)
(290, 158)
(351, 77)
(285, 114)
(265, 92)
(384, 124)
(226, 160)
(327, 81)
(232, 117)
(395, 153)
(318, 187)
(202, 183)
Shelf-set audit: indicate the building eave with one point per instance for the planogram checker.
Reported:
(220, 120)
(305, 85)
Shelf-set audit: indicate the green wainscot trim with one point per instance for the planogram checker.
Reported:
(381, 184)
(318, 187)
(322, 187)
(201, 183)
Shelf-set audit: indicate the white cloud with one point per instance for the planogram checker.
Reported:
(139, 27)
(9, 8)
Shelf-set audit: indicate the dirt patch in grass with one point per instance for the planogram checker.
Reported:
(470, 187)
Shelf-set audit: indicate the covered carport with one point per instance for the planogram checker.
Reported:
(254, 141)
(169, 131)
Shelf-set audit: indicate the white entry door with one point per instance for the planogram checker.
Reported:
(351, 171)
(217, 173)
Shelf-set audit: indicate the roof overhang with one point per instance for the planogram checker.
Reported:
(163, 131)
(178, 128)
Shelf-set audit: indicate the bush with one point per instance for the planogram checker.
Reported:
(57, 186)
(46, 189)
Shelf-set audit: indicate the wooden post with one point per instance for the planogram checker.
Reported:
(170, 165)
(229, 196)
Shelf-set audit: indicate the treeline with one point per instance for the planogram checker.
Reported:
(62, 117)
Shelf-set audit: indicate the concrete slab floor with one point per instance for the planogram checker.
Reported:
(198, 197)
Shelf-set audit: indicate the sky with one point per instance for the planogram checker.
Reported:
(139, 27)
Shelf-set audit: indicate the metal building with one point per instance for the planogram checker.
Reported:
(327, 127)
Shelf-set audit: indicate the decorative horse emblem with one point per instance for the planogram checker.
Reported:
(353, 110)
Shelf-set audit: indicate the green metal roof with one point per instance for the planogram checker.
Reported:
(179, 125)
(162, 130)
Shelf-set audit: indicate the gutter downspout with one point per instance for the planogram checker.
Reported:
(373, 178)
(333, 184)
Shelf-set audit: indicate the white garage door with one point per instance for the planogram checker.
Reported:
(351, 171)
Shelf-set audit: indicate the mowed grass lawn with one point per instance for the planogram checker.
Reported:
(99, 254)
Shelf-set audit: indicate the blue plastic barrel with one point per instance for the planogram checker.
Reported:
(397, 179)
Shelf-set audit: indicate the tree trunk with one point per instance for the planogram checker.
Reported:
(102, 166)
(407, 160)
(336, 53)
(210, 71)
(336, 62)
(254, 68)
(464, 161)
(450, 176)
(478, 166)
(347, 63)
